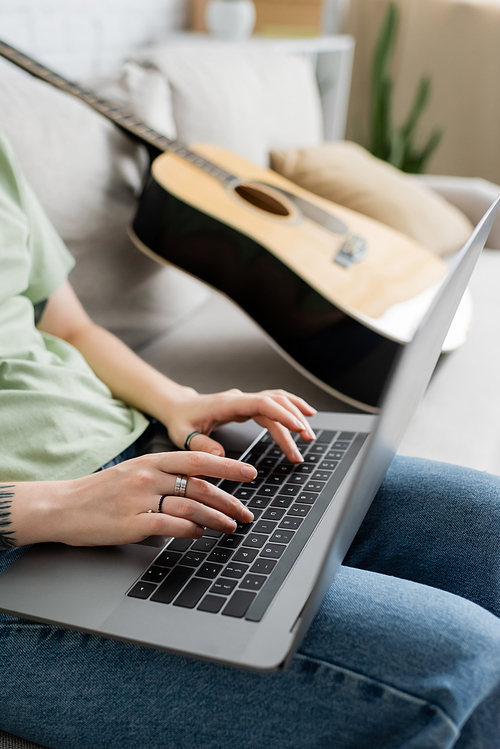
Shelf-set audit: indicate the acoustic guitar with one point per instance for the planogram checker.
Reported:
(337, 292)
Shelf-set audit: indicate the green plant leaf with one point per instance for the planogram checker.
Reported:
(388, 142)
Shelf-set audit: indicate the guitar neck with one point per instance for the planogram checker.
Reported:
(155, 142)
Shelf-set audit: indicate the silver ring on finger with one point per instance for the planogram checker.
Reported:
(180, 486)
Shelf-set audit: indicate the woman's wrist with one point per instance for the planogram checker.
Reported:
(34, 511)
(168, 404)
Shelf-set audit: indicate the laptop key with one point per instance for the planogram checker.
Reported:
(272, 551)
(253, 582)
(229, 486)
(212, 604)
(289, 490)
(245, 555)
(346, 435)
(223, 586)
(235, 569)
(209, 569)
(220, 555)
(314, 486)
(308, 498)
(192, 593)
(259, 503)
(141, 590)
(312, 458)
(334, 455)
(238, 604)
(321, 475)
(340, 445)
(212, 534)
(193, 558)
(267, 490)
(243, 493)
(290, 523)
(273, 513)
(155, 574)
(180, 544)
(282, 537)
(204, 544)
(265, 526)
(282, 501)
(263, 566)
(298, 478)
(255, 540)
(172, 585)
(326, 436)
(329, 465)
(168, 558)
(276, 478)
(299, 511)
(304, 468)
(230, 541)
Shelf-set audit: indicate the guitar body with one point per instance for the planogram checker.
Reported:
(341, 324)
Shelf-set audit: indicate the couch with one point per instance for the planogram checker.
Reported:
(88, 175)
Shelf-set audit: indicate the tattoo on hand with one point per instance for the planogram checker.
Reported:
(7, 540)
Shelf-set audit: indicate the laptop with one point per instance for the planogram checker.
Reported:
(246, 599)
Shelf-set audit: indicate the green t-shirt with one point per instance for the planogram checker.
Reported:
(57, 419)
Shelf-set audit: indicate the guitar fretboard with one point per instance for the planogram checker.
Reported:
(120, 115)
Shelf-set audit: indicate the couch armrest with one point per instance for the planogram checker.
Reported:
(472, 195)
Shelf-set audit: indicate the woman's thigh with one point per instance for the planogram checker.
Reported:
(436, 524)
(386, 663)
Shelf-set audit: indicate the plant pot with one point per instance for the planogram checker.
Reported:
(232, 20)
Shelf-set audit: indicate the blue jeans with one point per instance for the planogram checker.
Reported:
(404, 652)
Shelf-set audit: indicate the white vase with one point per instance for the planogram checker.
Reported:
(232, 20)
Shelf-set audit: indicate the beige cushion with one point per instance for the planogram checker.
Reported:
(86, 174)
(347, 174)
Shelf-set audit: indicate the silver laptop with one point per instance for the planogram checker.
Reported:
(247, 598)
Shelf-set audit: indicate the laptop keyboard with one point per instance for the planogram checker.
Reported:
(238, 574)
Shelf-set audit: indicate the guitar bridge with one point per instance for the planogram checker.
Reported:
(352, 251)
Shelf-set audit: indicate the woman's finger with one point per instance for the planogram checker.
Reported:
(158, 524)
(210, 496)
(203, 464)
(204, 443)
(301, 404)
(282, 438)
(200, 514)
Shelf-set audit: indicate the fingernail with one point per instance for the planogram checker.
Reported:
(235, 525)
(300, 425)
(215, 452)
(248, 472)
(298, 457)
(248, 515)
(198, 532)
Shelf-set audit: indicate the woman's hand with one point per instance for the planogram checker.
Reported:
(278, 411)
(120, 505)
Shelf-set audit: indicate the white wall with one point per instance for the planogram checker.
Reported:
(83, 38)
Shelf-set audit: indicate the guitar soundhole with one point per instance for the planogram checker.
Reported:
(262, 200)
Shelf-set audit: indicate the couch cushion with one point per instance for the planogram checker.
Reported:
(86, 174)
(347, 174)
(245, 99)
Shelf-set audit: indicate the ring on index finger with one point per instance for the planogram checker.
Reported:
(180, 486)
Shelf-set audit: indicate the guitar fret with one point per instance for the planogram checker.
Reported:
(115, 112)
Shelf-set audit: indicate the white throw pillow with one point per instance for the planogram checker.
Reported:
(86, 173)
(144, 91)
(248, 100)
